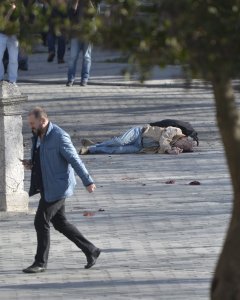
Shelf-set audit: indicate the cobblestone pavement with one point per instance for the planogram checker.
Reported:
(159, 241)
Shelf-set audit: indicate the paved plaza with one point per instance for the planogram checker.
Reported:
(159, 241)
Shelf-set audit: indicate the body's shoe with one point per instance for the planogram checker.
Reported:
(51, 56)
(61, 61)
(91, 260)
(34, 268)
(83, 83)
(87, 142)
(84, 150)
(69, 83)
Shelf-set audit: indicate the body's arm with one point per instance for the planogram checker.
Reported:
(166, 138)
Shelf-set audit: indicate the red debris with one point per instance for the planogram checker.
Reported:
(194, 183)
(88, 214)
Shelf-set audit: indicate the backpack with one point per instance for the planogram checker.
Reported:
(186, 127)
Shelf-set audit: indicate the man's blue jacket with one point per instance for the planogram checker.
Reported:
(59, 159)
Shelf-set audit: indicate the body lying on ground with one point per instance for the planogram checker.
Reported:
(147, 139)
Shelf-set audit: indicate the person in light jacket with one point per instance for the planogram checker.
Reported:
(53, 162)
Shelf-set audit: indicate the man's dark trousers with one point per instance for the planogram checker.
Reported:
(55, 213)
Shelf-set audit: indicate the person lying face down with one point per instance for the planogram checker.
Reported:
(147, 139)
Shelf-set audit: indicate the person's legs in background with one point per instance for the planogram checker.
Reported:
(74, 54)
(12, 46)
(61, 49)
(86, 62)
(5, 60)
(3, 45)
(22, 60)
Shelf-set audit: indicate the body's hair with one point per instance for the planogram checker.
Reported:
(38, 112)
(185, 144)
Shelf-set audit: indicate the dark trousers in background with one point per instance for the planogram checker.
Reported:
(61, 44)
(55, 213)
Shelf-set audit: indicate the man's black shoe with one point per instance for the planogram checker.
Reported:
(61, 61)
(51, 56)
(34, 268)
(69, 83)
(91, 260)
(83, 83)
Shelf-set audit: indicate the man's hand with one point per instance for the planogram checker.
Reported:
(175, 150)
(91, 188)
(27, 163)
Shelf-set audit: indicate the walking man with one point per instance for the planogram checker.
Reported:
(54, 160)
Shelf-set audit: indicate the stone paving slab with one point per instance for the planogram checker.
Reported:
(159, 241)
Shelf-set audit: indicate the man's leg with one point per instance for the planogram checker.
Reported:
(44, 214)
(129, 142)
(51, 40)
(12, 45)
(86, 62)
(74, 54)
(22, 60)
(130, 137)
(128, 149)
(3, 45)
(61, 48)
(61, 224)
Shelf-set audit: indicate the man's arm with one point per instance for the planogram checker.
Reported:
(166, 139)
(10, 12)
(75, 4)
(69, 152)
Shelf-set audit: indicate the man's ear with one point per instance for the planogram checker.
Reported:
(43, 121)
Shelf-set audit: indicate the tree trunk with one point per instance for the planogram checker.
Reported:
(226, 280)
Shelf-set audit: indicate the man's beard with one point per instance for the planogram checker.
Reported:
(39, 131)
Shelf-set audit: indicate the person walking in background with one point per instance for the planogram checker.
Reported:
(9, 29)
(54, 160)
(78, 13)
(61, 47)
(58, 16)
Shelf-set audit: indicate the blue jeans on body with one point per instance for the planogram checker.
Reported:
(61, 42)
(86, 48)
(129, 142)
(11, 43)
